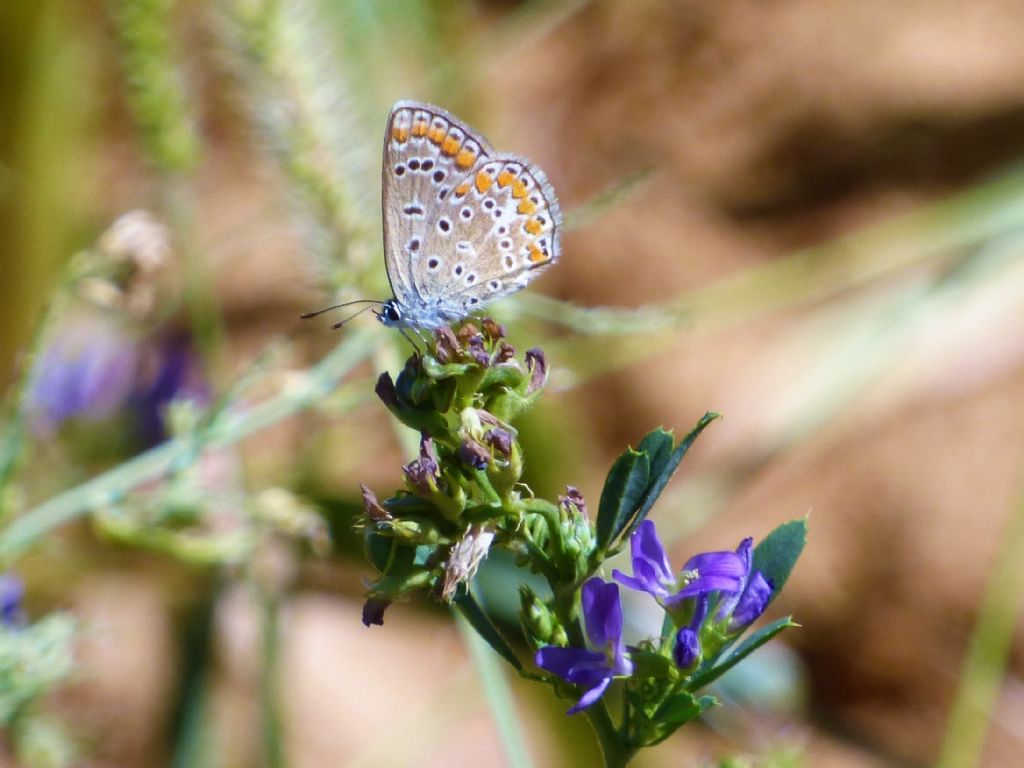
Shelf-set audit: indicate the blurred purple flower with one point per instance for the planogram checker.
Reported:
(175, 375)
(12, 590)
(592, 670)
(93, 369)
(86, 371)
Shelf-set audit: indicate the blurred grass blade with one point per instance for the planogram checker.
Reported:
(499, 698)
(585, 213)
(985, 666)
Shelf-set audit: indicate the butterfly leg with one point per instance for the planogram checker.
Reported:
(409, 338)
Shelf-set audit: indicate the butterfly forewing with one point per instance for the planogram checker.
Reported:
(462, 224)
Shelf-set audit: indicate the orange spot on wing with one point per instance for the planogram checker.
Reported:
(419, 128)
(465, 158)
(532, 226)
(450, 145)
(462, 189)
(399, 134)
(527, 207)
(436, 133)
(483, 182)
(505, 178)
(518, 189)
(536, 254)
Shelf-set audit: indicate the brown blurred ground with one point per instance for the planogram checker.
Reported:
(770, 126)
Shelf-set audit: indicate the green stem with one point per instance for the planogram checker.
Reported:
(157, 462)
(270, 680)
(985, 666)
(499, 698)
(616, 754)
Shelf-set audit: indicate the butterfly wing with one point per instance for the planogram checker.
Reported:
(499, 230)
(426, 150)
(462, 225)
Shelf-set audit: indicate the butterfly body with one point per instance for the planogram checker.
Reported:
(463, 224)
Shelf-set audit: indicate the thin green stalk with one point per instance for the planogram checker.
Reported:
(929, 235)
(616, 754)
(498, 696)
(200, 301)
(985, 665)
(157, 462)
(270, 680)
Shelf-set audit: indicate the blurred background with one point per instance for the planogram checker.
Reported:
(806, 216)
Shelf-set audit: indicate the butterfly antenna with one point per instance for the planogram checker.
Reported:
(338, 325)
(339, 306)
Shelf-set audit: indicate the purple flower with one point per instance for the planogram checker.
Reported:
(686, 651)
(11, 593)
(176, 376)
(704, 573)
(87, 370)
(424, 472)
(748, 602)
(592, 670)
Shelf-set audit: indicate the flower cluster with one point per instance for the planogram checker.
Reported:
(713, 599)
(462, 490)
(462, 496)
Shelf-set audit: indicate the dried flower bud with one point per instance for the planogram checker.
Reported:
(537, 365)
(386, 391)
(474, 454)
(573, 499)
(424, 472)
(467, 332)
(493, 331)
(447, 347)
(373, 611)
(372, 507)
(505, 353)
(500, 440)
(466, 556)
(478, 351)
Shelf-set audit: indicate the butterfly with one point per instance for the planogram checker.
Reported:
(463, 224)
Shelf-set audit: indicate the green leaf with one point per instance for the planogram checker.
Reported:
(479, 620)
(658, 447)
(651, 664)
(510, 376)
(778, 552)
(664, 466)
(675, 711)
(624, 489)
(744, 649)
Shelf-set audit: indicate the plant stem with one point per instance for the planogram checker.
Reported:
(616, 754)
(499, 698)
(157, 462)
(985, 666)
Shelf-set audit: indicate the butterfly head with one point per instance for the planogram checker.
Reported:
(390, 314)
